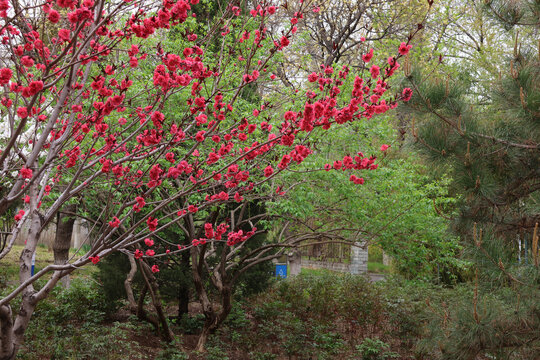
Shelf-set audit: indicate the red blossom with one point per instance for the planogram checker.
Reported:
(53, 16)
(404, 48)
(356, 180)
(375, 70)
(152, 223)
(64, 34)
(115, 222)
(5, 76)
(407, 94)
(22, 112)
(200, 136)
(367, 57)
(268, 171)
(19, 215)
(26, 173)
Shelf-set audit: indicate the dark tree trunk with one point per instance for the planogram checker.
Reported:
(151, 284)
(7, 350)
(215, 319)
(64, 230)
(183, 289)
(127, 284)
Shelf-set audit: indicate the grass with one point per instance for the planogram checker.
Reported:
(377, 267)
(9, 266)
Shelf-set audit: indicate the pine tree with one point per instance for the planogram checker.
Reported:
(485, 133)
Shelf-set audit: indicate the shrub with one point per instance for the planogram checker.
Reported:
(375, 349)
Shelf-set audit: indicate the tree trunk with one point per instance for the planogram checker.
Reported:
(22, 320)
(128, 281)
(203, 337)
(62, 241)
(6, 333)
(141, 313)
(213, 320)
(183, 289)
(151, 283)
(28, 302)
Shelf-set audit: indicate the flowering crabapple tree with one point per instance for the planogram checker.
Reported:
(81, 116)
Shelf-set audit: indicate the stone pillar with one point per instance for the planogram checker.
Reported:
(294, 258)
(359, 259)
(386, 259)
(80, 233)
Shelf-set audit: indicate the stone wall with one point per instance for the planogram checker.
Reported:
(357, 265)
(334, 266)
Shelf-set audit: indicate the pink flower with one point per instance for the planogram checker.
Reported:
(170, 157)
(200, 136)
(26, 173)
(356, 180)
(140, 201)
(53, 16)
(150, 252)
(115, 223)
(5, 75)
(138, 254)
(155, 268)
(64, 34)
(152, 223)
(22, 112)
(367, 57)
(384, 147)
(149, 242)
(268, 171)
(94, 259)
(404, 48)
(35, 87)
(157, 118)
(238, 197)
(27, 61)
(407, 94)
(19, 215)
(375, 71)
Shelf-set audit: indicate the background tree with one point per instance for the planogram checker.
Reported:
(489, 142)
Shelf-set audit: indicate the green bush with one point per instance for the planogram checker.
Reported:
(375, 349)
(69, 325)
(112, 273)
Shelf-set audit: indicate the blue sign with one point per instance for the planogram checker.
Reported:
(281, 271)
(33, 263)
